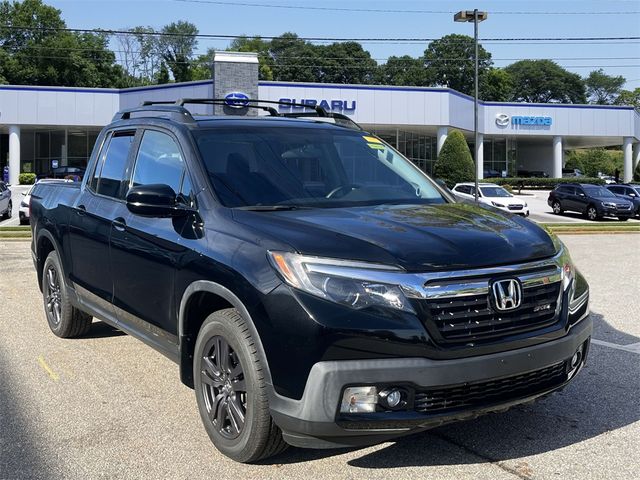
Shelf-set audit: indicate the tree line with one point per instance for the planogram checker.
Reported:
(41, 52)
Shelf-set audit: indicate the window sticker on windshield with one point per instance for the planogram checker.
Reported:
(371, 140)
(376, 146)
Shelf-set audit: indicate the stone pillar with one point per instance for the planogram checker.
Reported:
(14, 154)
(628, 162)
(480, 156)
(441, 137)
(636, 155)
(235, 72)
(557, 157)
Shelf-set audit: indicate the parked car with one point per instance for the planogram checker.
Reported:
(630, 192)
(494, 195)
(24, 210)
(491, 173)
(594, 201)
(608, 179)
(73, 173)
(313, 285)
(572, 172)
(532, 174)
(6, 206)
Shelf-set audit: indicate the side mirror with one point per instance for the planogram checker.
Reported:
(156, 200)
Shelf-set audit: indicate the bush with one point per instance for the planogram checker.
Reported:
(543, 183)
(595, 160)
(27, 178)
(454, 164)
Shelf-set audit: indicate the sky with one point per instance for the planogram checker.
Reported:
(506, 19)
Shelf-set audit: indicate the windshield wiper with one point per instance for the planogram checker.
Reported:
(271, 208)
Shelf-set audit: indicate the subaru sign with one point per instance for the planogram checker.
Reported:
(341, 106)
(236, 99)
(503, 120)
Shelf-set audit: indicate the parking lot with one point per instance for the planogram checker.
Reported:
(106, 406)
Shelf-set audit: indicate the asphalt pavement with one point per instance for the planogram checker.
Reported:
(107, 406)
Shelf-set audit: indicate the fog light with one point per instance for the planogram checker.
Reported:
(390, 398)
(359, 400)
(574, 363)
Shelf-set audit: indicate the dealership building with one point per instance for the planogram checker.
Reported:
(44, 127)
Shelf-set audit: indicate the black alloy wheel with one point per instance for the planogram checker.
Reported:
(53, 298)
(224, 388)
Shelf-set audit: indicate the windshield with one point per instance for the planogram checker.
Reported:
(312, 167)
(494, 192)
(598, 192)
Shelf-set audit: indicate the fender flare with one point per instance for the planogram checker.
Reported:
(229, 296)
(40, 261)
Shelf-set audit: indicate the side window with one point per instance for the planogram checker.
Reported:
(579, 191)
(159, 160)
(114, 163)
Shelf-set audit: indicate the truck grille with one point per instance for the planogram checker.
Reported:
(461, 319)
(470, 395)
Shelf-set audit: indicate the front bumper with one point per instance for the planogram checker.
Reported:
(314, 420)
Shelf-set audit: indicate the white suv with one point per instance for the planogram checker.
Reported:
(494, 195)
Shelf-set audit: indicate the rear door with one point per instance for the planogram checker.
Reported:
(99, 203)
(146, 251)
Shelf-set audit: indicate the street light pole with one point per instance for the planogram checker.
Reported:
(476, 17)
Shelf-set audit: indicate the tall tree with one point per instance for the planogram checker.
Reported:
(496, 85)
(261, 47)
(345, 62)
(176, 45)
(544, 81)
(450, 62)
(294, 59)
(404, 70)
(630, 98)
(603, 89)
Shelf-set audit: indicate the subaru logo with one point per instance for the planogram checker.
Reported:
(507, 294)
(502, 119)
(236, 100)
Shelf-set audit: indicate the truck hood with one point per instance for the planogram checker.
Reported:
(415, 237)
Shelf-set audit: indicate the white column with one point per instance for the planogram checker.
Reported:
(628, 165)
(441, 137)
(557, 157)
(480, 156)
(636, 155)
(14, 154)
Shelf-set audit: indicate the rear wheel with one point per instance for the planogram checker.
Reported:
(592, 213)
(64, 319)
(8, 213)
(231, 390)
(557, 208)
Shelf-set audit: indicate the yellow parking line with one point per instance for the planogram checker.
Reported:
(54, 376)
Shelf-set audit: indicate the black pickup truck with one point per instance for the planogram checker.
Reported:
(315, 287)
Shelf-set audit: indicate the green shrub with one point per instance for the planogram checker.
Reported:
(454, 164)
(595, 160)
(27, 178)
(543, 183)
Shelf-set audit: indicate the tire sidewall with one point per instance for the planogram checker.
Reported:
(240, 447)
(54, 261)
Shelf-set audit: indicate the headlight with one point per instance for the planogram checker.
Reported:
(496, 204)
(568, 269)
(608, 204)
(348, 283)
(24, 204)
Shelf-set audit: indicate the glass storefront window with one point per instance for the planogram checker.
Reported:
(40, 149)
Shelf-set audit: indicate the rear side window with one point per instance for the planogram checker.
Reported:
(159, 160)
(112, 173)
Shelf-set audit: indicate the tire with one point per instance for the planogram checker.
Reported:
(623, 219)
(592, 213)
(232, 383)
(65, 321)
(557, 208)
(24, 221)
(7, 214)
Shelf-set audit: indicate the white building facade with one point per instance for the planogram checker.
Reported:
(44, 127)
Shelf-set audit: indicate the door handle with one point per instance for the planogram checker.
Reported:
(81, 210)
(119, 224)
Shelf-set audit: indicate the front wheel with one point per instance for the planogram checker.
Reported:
(592, 213)
(623, 219)
(231, 391)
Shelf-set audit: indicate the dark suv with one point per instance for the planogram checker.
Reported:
(313, 285)
(629, 192)
(594, 201)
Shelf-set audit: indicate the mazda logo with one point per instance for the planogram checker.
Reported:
(502, 119)
(236, 99)
(507, 294)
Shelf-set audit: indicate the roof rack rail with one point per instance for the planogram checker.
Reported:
(177, 111)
